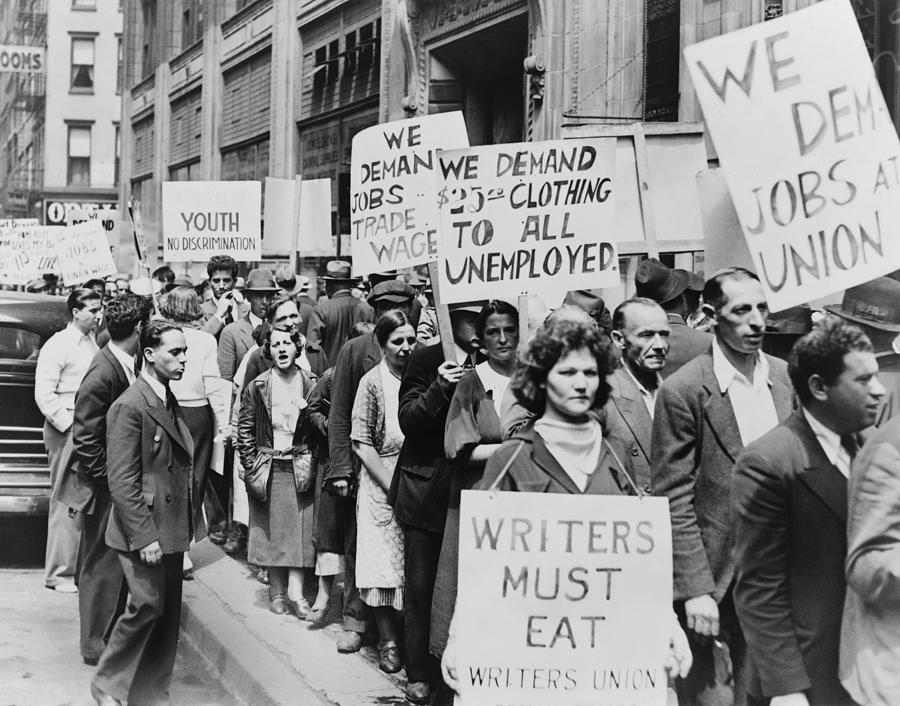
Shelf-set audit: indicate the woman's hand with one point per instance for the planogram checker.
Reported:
(678, 663)
(448, 663)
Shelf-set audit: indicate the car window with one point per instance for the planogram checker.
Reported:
(19, 343)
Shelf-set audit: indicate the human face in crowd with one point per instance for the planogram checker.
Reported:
(88, 318)
(168, 358)
(287, 313)
(112, 291)
(572, 385)
(501, 337)
(221, 282)
(259, 303)
(644, 339)
(855, 396)
(399, 346)
(464, 331)
(740, 323)
(123, 285)
(282, 349)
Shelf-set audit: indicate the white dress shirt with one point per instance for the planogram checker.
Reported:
(158, 388)
(61, 366)
(830, 441)
(648, 397)
(125, 360)
(752, 403)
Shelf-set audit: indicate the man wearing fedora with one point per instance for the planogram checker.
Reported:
(875, 306)
(669, 288)
(296, 287)
(237, 337)
(332, 320)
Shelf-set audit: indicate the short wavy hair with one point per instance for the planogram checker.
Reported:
(181, 305)
(554, 339)
(124, 314)
(821, 352)
(296, 337)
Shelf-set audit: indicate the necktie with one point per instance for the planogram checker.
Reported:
(850, 445)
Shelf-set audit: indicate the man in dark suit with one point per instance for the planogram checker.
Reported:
(332, 319)
(85, 488)
(640, 330)
(357, 357)
(149, 461)
(420, 489)
(705, 414)
(237, 337)
(789, 509)
(671, 289)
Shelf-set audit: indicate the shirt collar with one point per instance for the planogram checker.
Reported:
(127, 361)
(254, 319)
(643, 390)
(461, 355)
(725, 372)
(158, 388)
(829, 440)
(75, 333)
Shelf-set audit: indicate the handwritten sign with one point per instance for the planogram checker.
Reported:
(28, 252)
(83, 253)
(572, 602)
(206, 218)
(808, 149)
(529, 218)
(393, 210)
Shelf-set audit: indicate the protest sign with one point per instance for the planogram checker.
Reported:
(573, 599)
(529, 218)
(6, 223)
(82, 253)
(28, 252)
(393, 208)
(280, 234)
(315, 238)
(137, 230)
(206, 218)
(808, 149)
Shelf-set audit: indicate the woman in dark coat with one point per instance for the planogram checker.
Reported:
(273, 424)
(562, 380)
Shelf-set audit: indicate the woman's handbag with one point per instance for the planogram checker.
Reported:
(304, 474)
(257, 478)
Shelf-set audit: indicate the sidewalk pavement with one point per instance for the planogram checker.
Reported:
(273, 659)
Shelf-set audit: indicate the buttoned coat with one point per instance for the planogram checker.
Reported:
(104, 381)
(870, 635)
(331, 321)
(149, 464)
(685, 344)
(789, 512)
(695, 442)
(234, 342)
(629, 419)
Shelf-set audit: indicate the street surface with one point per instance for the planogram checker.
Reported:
(39, 660)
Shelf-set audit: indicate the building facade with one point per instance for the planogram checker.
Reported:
(245, 90)
(61, 130)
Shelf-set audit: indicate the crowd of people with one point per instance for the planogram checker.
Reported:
(331, 438)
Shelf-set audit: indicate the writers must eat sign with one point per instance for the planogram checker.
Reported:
(808, 149)
(572, 602)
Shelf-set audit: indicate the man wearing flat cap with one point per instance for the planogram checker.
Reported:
(875, 306)
(355, 358)
(331, 321)
(669, 288)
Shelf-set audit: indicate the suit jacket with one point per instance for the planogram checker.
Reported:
(332, 320)
(789, 510)
(870, 636)
(357, 357)
(104, 381)
(685, 344)
(235, 341)
(149, 458)
(695, 442)
(420, 489)
(628, 418)
(212, 323)
(535, 470)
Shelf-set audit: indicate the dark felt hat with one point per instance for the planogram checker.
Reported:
(658, 281)
(378, 277)
(391, 290)
(875, 303)
(338, 271)
(260, 280)
(694, 281)
(796, 321)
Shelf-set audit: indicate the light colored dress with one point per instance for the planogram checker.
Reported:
(379, 537)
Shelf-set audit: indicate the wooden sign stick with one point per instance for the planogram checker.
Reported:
(443, 314)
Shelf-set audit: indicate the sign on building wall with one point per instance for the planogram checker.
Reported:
(808, 149)
(16, 59)
(393, 208)
(206, 218)
(59, 212)
(528, 218)
(573, 601)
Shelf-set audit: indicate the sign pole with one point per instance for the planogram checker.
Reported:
(443, 313)
(292, 256)
(140, 245)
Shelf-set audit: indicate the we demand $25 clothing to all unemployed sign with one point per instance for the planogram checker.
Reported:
(563, 599)
(808, 149)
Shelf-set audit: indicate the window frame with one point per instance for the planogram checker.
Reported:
(81, 37)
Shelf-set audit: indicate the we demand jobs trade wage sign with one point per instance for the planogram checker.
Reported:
(808, 149)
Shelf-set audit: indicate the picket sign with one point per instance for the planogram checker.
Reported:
(27, 252)
(808, 149)
(443, 314)
(83, 253)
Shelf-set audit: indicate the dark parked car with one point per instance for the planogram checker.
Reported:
(26, 322)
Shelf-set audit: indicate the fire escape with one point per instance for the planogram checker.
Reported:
(22, 100)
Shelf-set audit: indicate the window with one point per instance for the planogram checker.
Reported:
(148, 43)
(661, 57)
(19, 343)
(79, 172)
(118, 155)
(120, 63)
(247, 162)
(84, 4)
(82, 64)
(191, 22)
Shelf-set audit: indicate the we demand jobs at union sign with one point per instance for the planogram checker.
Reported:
(569, 182)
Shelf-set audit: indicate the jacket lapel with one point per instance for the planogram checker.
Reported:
(821, 476)
(372, 355)
(548, 463)
(627, 399)
(719, 413)
(157, 410)
(782, 395)
(115, 366)
(246, 330)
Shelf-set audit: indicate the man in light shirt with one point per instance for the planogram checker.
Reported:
(61, 366)
(640, 330)
(789, 512)
(705, 413)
